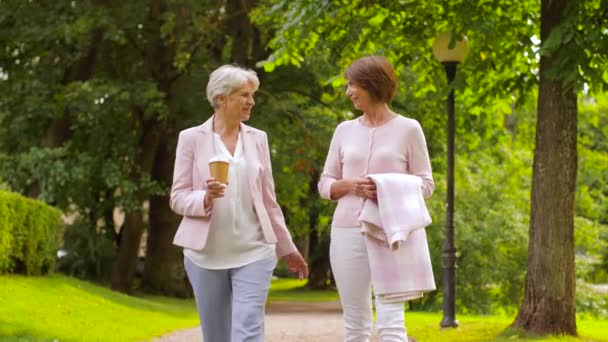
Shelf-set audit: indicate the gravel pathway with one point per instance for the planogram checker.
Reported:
(287, 321)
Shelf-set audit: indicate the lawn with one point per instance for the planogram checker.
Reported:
(293, 290)
(65, 309)
(425, 326)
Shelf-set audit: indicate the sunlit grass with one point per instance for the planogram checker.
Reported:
(34, 309)
(293, 290)
(425, 327)
(67, 309)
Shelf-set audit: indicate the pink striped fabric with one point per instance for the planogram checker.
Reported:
(402, 272)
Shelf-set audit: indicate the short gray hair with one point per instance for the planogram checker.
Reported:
(228, 78)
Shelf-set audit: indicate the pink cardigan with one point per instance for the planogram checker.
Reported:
(356, 150)
(194, 149)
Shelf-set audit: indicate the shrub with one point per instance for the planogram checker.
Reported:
(90, 252)
(30, 233)
(590, 302)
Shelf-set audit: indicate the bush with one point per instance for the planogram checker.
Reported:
(89, 252)
(30, 233)
(491, 231)
(590, 302)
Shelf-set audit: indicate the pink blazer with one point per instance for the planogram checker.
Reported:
(194, 150)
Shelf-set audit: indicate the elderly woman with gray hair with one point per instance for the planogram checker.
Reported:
(232, 234)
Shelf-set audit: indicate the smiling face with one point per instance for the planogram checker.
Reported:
(239, 103)
(360, 97)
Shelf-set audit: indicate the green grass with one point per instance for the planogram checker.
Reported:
(35, 309)
(293, 290)
(66, 309)
(425, 326)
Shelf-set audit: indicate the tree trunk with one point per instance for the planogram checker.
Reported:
(240, 28)
(319, 266)
(163, 269)
(123, 269)
(549, 301)
(319, 277)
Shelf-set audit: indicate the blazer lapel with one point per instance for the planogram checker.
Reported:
(205, 147)
(251, 156)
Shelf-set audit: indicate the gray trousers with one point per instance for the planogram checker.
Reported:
(231, 301)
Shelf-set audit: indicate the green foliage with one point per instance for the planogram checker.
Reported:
(94, 98)
(491, 225)
(299, 133)
(592, 189)
(100, 154)
(582, 35)
(30, 232)
(589, 302)
(496, 240)
(90, 252)
(590, 237)
(502, 51)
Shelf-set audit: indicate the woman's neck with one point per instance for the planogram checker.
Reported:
(224, 127)
(377, 114)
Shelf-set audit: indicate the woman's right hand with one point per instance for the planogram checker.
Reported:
(215, 190)
(364, 187)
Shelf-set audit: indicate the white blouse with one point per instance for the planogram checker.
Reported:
(235, 236)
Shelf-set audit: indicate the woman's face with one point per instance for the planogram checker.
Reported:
(360, 97)
(238, 105)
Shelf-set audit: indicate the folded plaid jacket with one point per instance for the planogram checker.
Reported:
(396, 242)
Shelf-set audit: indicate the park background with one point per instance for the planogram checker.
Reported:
(95, 92)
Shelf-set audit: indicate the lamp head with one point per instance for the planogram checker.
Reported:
(442, 51)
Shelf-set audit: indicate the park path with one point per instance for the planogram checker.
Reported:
(286, 321)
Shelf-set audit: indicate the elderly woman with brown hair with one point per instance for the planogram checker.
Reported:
(231, 234)
(378, 142)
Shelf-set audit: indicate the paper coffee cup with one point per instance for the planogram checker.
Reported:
(218, 169)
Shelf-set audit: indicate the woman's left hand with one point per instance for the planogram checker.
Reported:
(295, 263)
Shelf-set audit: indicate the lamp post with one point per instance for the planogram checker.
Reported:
(450, 57)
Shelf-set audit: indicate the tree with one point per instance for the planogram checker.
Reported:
(574, 52)
(108, 86)
(290, 107)
(549, 303)
(326, 36)
(96, 91)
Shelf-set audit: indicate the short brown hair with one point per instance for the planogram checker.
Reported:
(374, 74)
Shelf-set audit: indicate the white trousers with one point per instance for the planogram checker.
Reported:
(350, 267)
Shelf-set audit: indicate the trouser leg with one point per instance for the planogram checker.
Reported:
(250, 285)
(390, 321)
(213, 295)
(350, 267)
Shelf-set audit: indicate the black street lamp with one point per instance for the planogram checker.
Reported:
(450, 55)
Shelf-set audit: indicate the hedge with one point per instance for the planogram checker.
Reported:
(30, 233)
